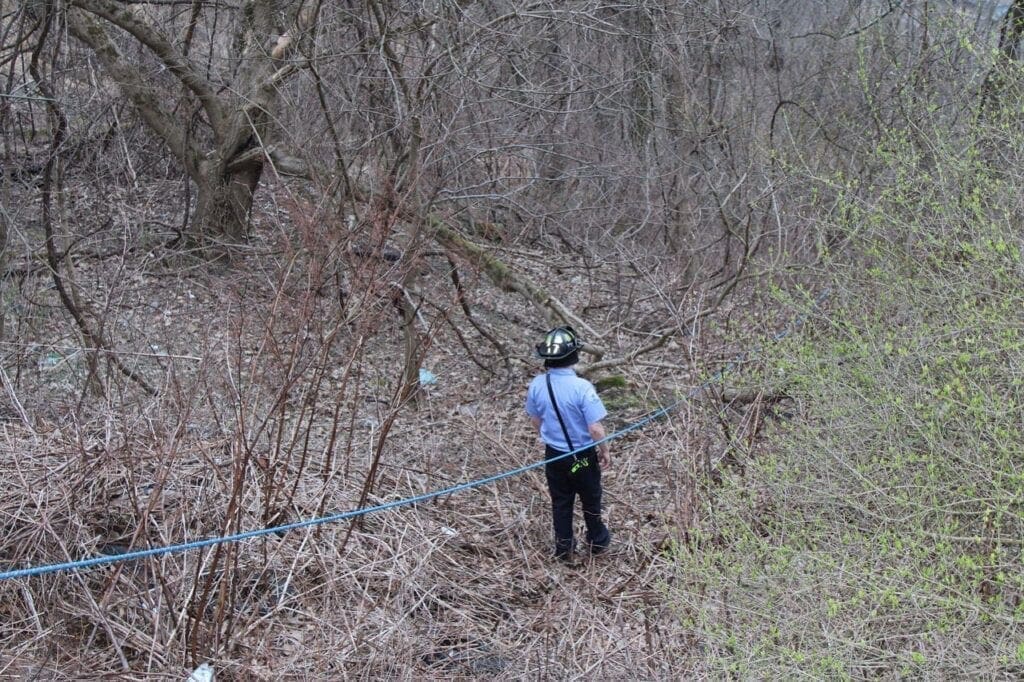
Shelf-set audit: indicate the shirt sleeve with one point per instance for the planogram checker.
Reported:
(532, 407)
(593, 408)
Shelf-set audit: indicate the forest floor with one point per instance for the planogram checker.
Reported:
(273, 398)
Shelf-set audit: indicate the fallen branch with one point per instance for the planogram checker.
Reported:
(460, 294)
(744, 396)
(555, 312)
(615, 362)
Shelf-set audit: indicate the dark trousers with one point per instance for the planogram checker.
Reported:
(564, 487)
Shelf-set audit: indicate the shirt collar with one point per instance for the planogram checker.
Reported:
(562, 370)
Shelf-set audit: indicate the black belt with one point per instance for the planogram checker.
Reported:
(552, 453)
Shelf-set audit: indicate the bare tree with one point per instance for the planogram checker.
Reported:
(221, 127)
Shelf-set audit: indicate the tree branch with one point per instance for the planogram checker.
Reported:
(146, 99)
(615, 362)
(176, 63)
(284, 164)
(505, 279)
(93, 337)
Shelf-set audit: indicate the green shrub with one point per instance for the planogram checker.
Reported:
(889, 537)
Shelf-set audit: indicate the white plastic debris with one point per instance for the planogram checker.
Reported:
(50, 360)
(203, 673)
(450, 532)
(427, 378)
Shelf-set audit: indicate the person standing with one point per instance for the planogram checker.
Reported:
(567, 413)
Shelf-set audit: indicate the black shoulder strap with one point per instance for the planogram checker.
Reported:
(565, 431)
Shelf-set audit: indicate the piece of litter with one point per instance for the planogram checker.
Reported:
(450, 532)
(203, 673)
(470, 410)
(50, 361)
(427, 378)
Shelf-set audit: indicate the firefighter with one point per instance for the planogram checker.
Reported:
(567, 412)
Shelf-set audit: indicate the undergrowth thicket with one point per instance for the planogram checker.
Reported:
(879, 532)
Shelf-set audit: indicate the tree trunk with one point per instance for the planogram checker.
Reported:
(224, 202)
(1001, 76)
(1012, 30)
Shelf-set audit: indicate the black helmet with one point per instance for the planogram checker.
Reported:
(559, 343)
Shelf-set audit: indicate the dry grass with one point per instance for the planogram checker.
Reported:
(457, 587)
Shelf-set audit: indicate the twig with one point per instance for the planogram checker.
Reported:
(9, 388)
(91, 336)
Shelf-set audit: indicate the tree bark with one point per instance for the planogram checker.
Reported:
(224, 202)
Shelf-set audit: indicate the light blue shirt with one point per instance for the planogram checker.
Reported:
(577, 401)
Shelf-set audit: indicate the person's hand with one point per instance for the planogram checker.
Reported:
(604, 457)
